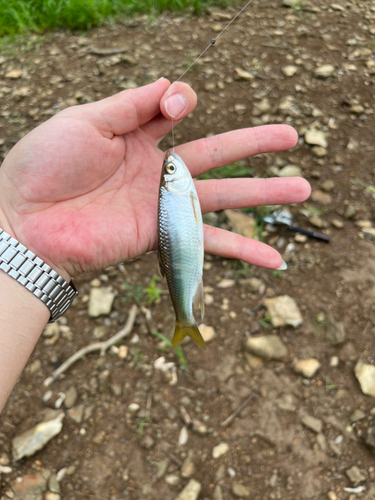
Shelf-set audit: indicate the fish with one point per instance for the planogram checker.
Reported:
(180, 246)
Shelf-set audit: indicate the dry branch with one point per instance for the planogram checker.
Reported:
(96, 346)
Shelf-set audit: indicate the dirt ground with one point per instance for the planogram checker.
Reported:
(122, 436)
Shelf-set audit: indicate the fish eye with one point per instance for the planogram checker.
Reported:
(170, 168)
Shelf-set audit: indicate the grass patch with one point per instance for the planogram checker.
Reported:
(19, 16)
(369, 189)
(238, 169)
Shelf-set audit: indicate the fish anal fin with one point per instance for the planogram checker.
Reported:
(192, 331)
(198, 300)
(160, 264)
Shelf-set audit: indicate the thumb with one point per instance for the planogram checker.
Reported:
(129, 109)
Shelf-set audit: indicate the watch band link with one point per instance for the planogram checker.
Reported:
(37, 276)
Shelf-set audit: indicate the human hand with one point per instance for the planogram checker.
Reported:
(81, 190)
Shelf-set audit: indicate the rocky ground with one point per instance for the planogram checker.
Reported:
(281, 405)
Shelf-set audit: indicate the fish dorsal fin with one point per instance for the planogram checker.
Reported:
(198, 300)
(160, 265)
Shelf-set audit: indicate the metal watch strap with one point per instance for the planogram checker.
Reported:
(37, 276)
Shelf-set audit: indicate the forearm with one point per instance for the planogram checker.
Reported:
(22, 319)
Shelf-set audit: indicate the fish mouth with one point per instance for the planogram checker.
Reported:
(172, 154)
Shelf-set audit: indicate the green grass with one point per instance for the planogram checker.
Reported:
(238, 169)
(19, 16)
(369, 189)
(178, 351)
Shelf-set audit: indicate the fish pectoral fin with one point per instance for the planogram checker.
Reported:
(198, 300)
(192, 331)
(196, 208)
(160, 264)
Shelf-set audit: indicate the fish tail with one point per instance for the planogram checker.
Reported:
(192, 331)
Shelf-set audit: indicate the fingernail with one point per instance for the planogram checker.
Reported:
(175, 105)
(283, 266)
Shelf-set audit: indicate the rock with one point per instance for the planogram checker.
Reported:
(183, 437)
(356, 416)
(243, 74)
(370, 438)
(252, 361)
(208, 332)
(312, 423)
(99, 332)
(317, 222)
(352, 145)
(267, 346)
(31, 486)
(76, 414)
(292, 3)
(116, 389)
(188, 467)
(369, 234)
(240, 108)
(133, 408)
(14, 74)
(71, 396)
(240, 222)
(320, 197)
(52, 496)
(253, 284)
(261, 108)
(53, 484)
(286, 402)
(300, 238)
(34, 439)
(348, 353)
(337, 223)
(100, 302)
(328, 185)
(147, 442)
(324, 71)
(365, 374)
(99, 437)
(355, 475)
(335, 334)
(306, 367)
(319, 152)
(239, 490)
(218, 493)
(290, 171)
(199, 427)
(51, 330)
(191, 491)
(290, 70)
(220, 450)
(172, 479)
(4, 459)
(283, 311)
(123, 351)
(226, 283)
(316, 137)
(350, 212)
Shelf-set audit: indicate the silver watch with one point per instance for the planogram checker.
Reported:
(37, 276)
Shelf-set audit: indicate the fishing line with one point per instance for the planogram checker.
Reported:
(212, 42)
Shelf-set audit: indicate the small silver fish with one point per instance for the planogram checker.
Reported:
(180, 248)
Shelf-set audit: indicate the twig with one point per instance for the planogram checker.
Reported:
(229, 420)
(96, 346)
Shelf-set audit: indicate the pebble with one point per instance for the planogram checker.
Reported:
(324, 71)
(292, 3)
(290, 171)
(267, 346)
(240, 222)
(261, 107)
(283, 311)
(243, 74)
(290, 70)
(99, 332)
(300, 238)
(306, 367)
(123, 352)
(76, 414)
(218, 493)
(317, 222)
(350, 212)
(172, 479)
(355, 475)
(312, 423)
(337, 223)
(239, 490)
(183, 437)
(253, 284)
(220, 450)
(319, 152)
(252, 361)
(191, 491)
(320, 197)
(208, 332)
(316, 137)
(286, 403)
(328, 185)
(116, 389)
(37, 437)
(334, 362)
(51, 330)
(133, 408)
(52, 496)
(30, 487)
(71, 396)
(356, 416)
(336, 334)
(99, 437)
(369, 234)
(188, 467)
(365, 374)
(147, 442)
(100, 302)
(226, 283)
(14, 74)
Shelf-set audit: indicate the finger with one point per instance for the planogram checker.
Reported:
(124, 112)
(216, 151)
(240, 193)
(234, 246)
(176, 103)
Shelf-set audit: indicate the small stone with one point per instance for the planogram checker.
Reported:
(319, 152)
(51, 330)
(356, 416)
(321, 197)
(188, 467)
(31, 487)
(71, 396)
(253, 284)
(218, 493)
(317, 222)
(226, 283)
(321, 441)
(53, 484)
(243, 74)
(358, 109)
(369, 234)
(306, 367)
(220, 450)
(208, 333)
(252, 361)
(191, 491)
(337, 223)
(290, 70)
(350, 212)
(123, 352)
(292, 3)
(335, 334)
(365, 374)
(36, 438)
(52, 496)
(116, 389)
(240, 222)
(324, 71)
(261, 107)
(147, 442)
(334, 362)
(363, 224)
(312, 423)
(238, 489)
(183, 437)
(239, 108)
(267, 346)
(199, 427)
(352, 145)
(4, 459)
(99, 437)
(14, 74)
(76, 414)
(283, 311)
(316, 137)
(172, 479)
(101, 300)
(35, 367)
(300, 238)
(99, 332)
(328, 185)
(290, 171)
(355, 475)
(286, 403)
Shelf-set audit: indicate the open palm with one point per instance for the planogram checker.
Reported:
(81, 190)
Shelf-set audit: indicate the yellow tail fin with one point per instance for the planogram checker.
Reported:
(192, 331)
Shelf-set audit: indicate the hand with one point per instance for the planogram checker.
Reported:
(81, 190)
